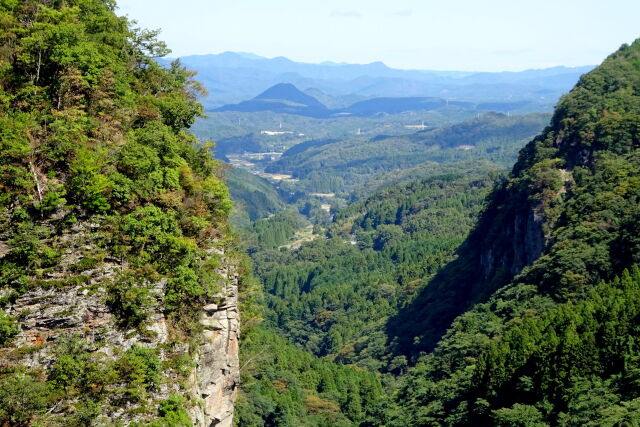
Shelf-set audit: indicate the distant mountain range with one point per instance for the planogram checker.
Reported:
(235, 77)
(288, 99)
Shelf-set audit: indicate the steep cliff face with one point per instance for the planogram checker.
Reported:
(118, 294)
(216, 377)
(510, 236)
(56, 311)
(560, 220)
(523, 239)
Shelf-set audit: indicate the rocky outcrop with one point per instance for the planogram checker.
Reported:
(509, 237)
(520, 237)
(217, 375)
(58, 307)
(522, 242)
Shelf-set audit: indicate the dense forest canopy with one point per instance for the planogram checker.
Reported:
(332, 296)
(339, 165)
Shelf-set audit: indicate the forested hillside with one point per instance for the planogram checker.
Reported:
(341, 165)
(254, 197)
(557, 344)
(334, 295)
(113, 221)
(238, 132)
(284, 385)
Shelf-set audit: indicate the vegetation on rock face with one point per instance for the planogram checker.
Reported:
(94, 131)
(573, 216)
(8, 327)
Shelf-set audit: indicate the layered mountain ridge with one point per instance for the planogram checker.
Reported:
(231, 77)
(288, 99)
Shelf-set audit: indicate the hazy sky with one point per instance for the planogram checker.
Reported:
(485, 35)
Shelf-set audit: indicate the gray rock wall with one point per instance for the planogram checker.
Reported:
(217, 375)
(47, 313)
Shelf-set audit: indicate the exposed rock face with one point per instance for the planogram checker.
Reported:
(524, 242)
(520, 239)
(217, 375)
(50, 311)
(509, 237)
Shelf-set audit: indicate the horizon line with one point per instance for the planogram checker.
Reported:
(249, 56)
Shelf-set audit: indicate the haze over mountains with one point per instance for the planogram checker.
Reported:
(235, 77)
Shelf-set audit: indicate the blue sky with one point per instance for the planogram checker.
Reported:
(474, 35)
